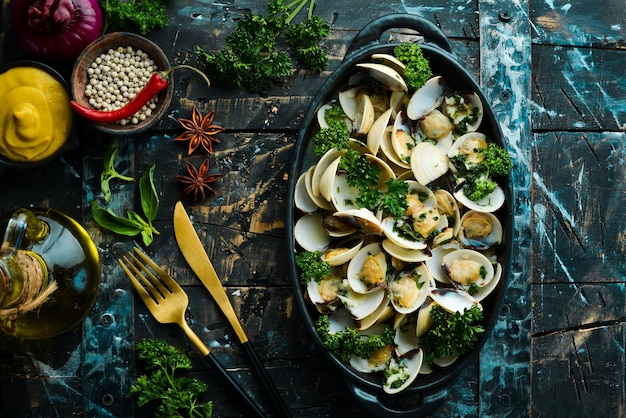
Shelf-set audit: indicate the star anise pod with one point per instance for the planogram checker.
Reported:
(199, 130)
(198, 181)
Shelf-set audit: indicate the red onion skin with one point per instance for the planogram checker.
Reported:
(56, 31)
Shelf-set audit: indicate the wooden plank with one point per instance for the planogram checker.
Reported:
(581, 371)
(586, 94)
(579, 23)
(569, 307)
(579, 208)
(505, 75)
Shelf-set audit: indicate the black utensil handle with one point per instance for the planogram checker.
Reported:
(268, 384)
(371, 33)
(210, 358)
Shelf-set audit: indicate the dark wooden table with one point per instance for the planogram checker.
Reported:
(554, 72)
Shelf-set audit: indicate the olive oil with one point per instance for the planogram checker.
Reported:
(69, 260)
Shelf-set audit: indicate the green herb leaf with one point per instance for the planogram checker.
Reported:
(140, 16)
(175, 394)
(149, 196)
(109, 172)
(451, 334)
(106, 218)
(252, 58)
(312, 266)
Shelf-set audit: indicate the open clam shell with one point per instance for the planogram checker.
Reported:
(326, 291)
(342, 252)
(310, 234)
(302, 198)
(390, 61)
(402, 139)
(360, 305)
(385, 75)
(480, 230)
(409, 289)
(465, 111)
(367, 270)
(362, 219)
(377, 131)
(405, 254)
(467, 269)
(403, 371)
(426, 99)
(454, 300)
(434, 263)
(428, 162)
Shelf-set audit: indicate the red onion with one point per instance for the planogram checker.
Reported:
(56, 30)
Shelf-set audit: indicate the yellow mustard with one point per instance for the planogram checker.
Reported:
(35, 115)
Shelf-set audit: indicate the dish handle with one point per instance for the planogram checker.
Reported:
(372, 32)
(381, 405)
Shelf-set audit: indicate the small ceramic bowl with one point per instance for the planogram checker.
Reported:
(14, 91)
(80, 78)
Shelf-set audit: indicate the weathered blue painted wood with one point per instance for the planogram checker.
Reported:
(579, 23)
(505, 75)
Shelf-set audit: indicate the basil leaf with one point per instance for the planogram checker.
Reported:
(109, 172)
(109, 220)
(149, 197)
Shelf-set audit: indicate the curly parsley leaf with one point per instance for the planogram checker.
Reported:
(312, 266)
(452, 334)
(140, 16)
(173, 393)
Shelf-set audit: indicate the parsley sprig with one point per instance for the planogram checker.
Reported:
(174, 393)
(140, 16)
(312, 267)
(452, 334)
(252, 58)
(344, 344)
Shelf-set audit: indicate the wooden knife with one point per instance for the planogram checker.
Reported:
(193, 251)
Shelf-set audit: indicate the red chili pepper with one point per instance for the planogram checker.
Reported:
(157, 82)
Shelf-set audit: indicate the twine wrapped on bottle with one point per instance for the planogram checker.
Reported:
(35, 288)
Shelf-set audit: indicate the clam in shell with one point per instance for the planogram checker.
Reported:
(385, 75)
(480, 230)
(402, 371)
(367, 270)
(467, 269)
(465, 111)
(409, 289)
(426, 99)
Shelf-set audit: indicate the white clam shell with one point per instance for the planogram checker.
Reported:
(409, 364)
(317, 198)
(409, 290)
(406, 337)
(362, 218)
(302, 198)
(453, 300)
(426, 99)
(355, 267)
(320, 169)
(338, 255)
(402, 139)
(470, 232)
(347, 99)
(467, 113)
(380, 312)
(390, 61)
(454, 265)
(389, 229)
(360, 305)
(310, 234)
(490, 203)
(325, 291)
(385, 75)
(428, 163)
(434, 263)
(377, 131)
(405, 254)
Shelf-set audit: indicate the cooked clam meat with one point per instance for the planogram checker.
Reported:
(374, 270)
(426, 220)
(471, 146)
(478, 225)
(436, 125)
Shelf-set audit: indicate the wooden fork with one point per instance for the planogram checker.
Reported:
(167, 302)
